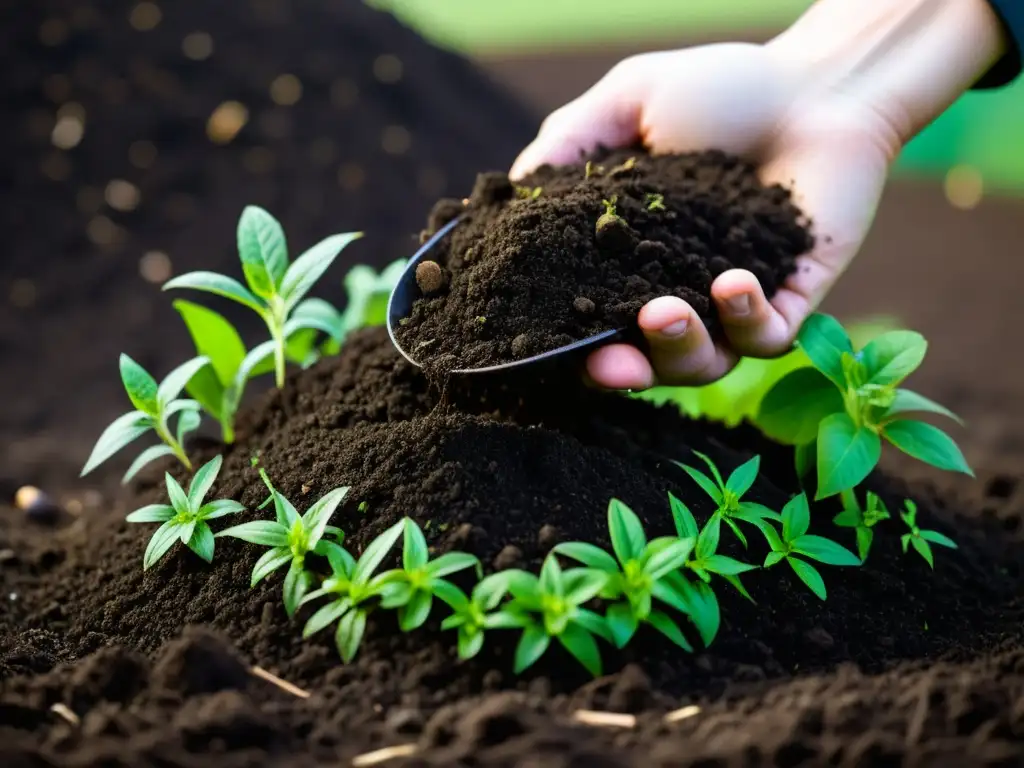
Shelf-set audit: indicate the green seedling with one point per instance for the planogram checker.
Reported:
(921, 540)
(275, 286)
(290, 538)
(553, 606)
(861, 519)
(472, 616)
(590, 169)
(655, 202)
(705, 560)
(609, 217)
(629, 165)
(186, 518)
(525, 193)
(796, 519)
(420, 577)
(155, 405)
(636, 575)
(728, 494)
(354, 591)
(839, 411)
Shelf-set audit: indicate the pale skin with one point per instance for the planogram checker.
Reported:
(823, 109)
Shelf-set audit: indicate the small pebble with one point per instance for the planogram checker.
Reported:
(820, 637)
(39, 507)
(547, 537)
(583, 305)
(521, 345)
(509, 557)
(430, 277)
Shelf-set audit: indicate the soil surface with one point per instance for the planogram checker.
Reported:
(500, 471)
(569, 252)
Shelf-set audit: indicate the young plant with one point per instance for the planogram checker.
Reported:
(155, 405)
(636, 575)
(275, 287)
(609, 217)
(861, 519)
(921, 540)
(728, 494)
(472, 616)
(420, 578)
(552, 607)
(654, 202)
(839, 411)
(354, 591)
(186, 518)
(796, 519)
(290, 538)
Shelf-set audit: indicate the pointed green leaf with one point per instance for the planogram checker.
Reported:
(938, 538)
(664, 624)
(325, 616)
(377, 551)
(627, 532)
(148, 456)
(824, 341)
(736, 531)
(864, 538)
(489, 592)
(220, 285)
(582, 584)
(911, 402)
(163, 539)
(177, 496)
(707, 615)
(220, 508)
(203, 481)
(320, 315)
(580, 643)
(686, 524)
(928, 444)
(414, 547)
(296, 584)
(175, 381)
(350, 634)
(319, 515)
(531, 646)
(414, 614)
(824, 551)
(451, 562)
(809, 575)
(726, 566)
(213, 337)
(751, 511)
(846, 454)
(796, 517)
(588, 554)
(743, 476)
(621, 623)
(774, 557)
(923, 549)
(201, 542)
(451, 595)
(188, 421)
(263, 532)
(269, 562)
(792, 410)
(140, 386)
(892, 356)
(123, 430)
(151, 513)
(303, 274)
(705, 482)
(470, 643)
(263, 251)
(707, 542)
(342, 562)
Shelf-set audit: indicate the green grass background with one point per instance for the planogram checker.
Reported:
(983, 130)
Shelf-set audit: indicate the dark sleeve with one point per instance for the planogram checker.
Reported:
(1006, 70)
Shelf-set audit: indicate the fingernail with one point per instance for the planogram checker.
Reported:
(739, 305)
(678, 328)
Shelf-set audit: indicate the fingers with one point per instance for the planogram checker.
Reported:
(753, 326)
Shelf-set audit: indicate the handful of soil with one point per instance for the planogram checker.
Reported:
(575, 250)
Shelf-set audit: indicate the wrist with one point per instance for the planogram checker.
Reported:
(906, 59)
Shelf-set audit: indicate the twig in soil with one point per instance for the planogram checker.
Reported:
(63, 711)
(284, 685)
(604, 719)
(682, 714)
(383, 755)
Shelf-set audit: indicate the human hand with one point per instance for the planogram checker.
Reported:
(823, 116)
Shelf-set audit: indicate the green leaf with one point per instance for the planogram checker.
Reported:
(220, 285)
(922, 548)
(707, 542)
(551, 582)
(342, 563)
(711, 467)
(186, 529)
(188, 421)
(296, 585)
(116, 436)
(263, 250)
(319, 515)
(686, 524)
(151, 513)
(671, 558)
(206, 388)
(350, 634)
(726, 566)
(140, 386)
(846, 454)
(864, 538)
(269, 562)
(580, 643)
(506, 620)
(824, 550)
(588, 554)
(325, 616)
(848, 518)
(306, 270)
(627, 532)
(796, 517)
(706, 616)
(175, 493)
(743, 476)
(751, 511)
(532, 645)
(737, 531)
(804, 458)
(664, 624)
(792, 410)
(263, 532)
(470, 643)
(414, 614)
(892, 356)
(219, 508)
(451, 562)
(201, 541)
(489, 592)
(321, 315)
(911, 402)
(163, 539)
(203, 481)
(937, 538)
(377, 551)
(454, 597)
(774, 557)
(175, 381)
(705, 482)
(809, 575)
(148, 456)
(213, 337)
(414, 548)
(621, 622)
(582, 584)
(926, 443)
(824, 341)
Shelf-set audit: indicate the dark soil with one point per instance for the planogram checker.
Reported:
(540, 264)
(504, 473)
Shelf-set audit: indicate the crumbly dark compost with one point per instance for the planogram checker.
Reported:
(571, 251)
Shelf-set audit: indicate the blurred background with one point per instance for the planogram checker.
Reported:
(135, 132)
